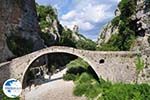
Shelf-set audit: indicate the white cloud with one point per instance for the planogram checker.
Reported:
(89, 15)
(69, 15)
(86, 15)
(84, 26)
(95, 13)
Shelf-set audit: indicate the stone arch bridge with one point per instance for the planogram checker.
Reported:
(113, 66)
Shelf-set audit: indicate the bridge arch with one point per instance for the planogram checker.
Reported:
(52, 50)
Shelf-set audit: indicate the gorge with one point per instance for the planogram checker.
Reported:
(33, 41)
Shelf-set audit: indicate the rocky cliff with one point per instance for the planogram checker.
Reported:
(18, 26)
(53, 33)
(134, 15)
(143, 24)
(130, 30)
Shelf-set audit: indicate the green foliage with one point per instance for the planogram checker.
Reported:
(104, 90)
(127, 8)
(126, 33)
(48, 38)
(139, 64)
(126, 92)
(119, 42)
(43, 11)
(19, 46)
(67, 39)
(78, 63)
(86, 44)
(115, 21)
(4, 97)
(89, 86)
(112, 44)
(125, 38)
(44, 24)
(82, 84)
(107, 47)
(69, 77)
(81, 89)
(75, 68)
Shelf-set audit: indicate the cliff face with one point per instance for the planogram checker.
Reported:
(143, 42)
(106, 33)
(130, 30)
(53, 33)
(139, 21)
(143, 23)
(18, 19)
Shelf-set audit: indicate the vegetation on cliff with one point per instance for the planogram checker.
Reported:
(124, 39)
(43, 11)
(47, 16)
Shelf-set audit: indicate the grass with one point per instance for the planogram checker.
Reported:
(86, 85)
(78, 62)
(4, 97)
(139, 64)
(75, 69)
(98, 89)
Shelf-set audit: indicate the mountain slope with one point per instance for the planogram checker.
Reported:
(53, 33)
(129, 29)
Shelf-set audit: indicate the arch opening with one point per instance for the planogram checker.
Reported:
(39, 72)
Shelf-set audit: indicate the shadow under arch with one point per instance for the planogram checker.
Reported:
(25, 73)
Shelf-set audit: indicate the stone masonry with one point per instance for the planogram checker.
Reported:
(113, 66)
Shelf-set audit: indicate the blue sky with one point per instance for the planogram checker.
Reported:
(89, 15)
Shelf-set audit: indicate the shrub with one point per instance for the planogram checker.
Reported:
(66, 39)
(125, 38)
(81, 89)
(139, 64)
(78, 63)
(87, 85)
(115, 21)
(82, 84)
(127, 8)
(76, 70)
(43, 11)
(48, 39)
(84, 77)
(121, 41)
(86, 44)
(104, 90)
(69, 77)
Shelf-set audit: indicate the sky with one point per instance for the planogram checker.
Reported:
(89, 15)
